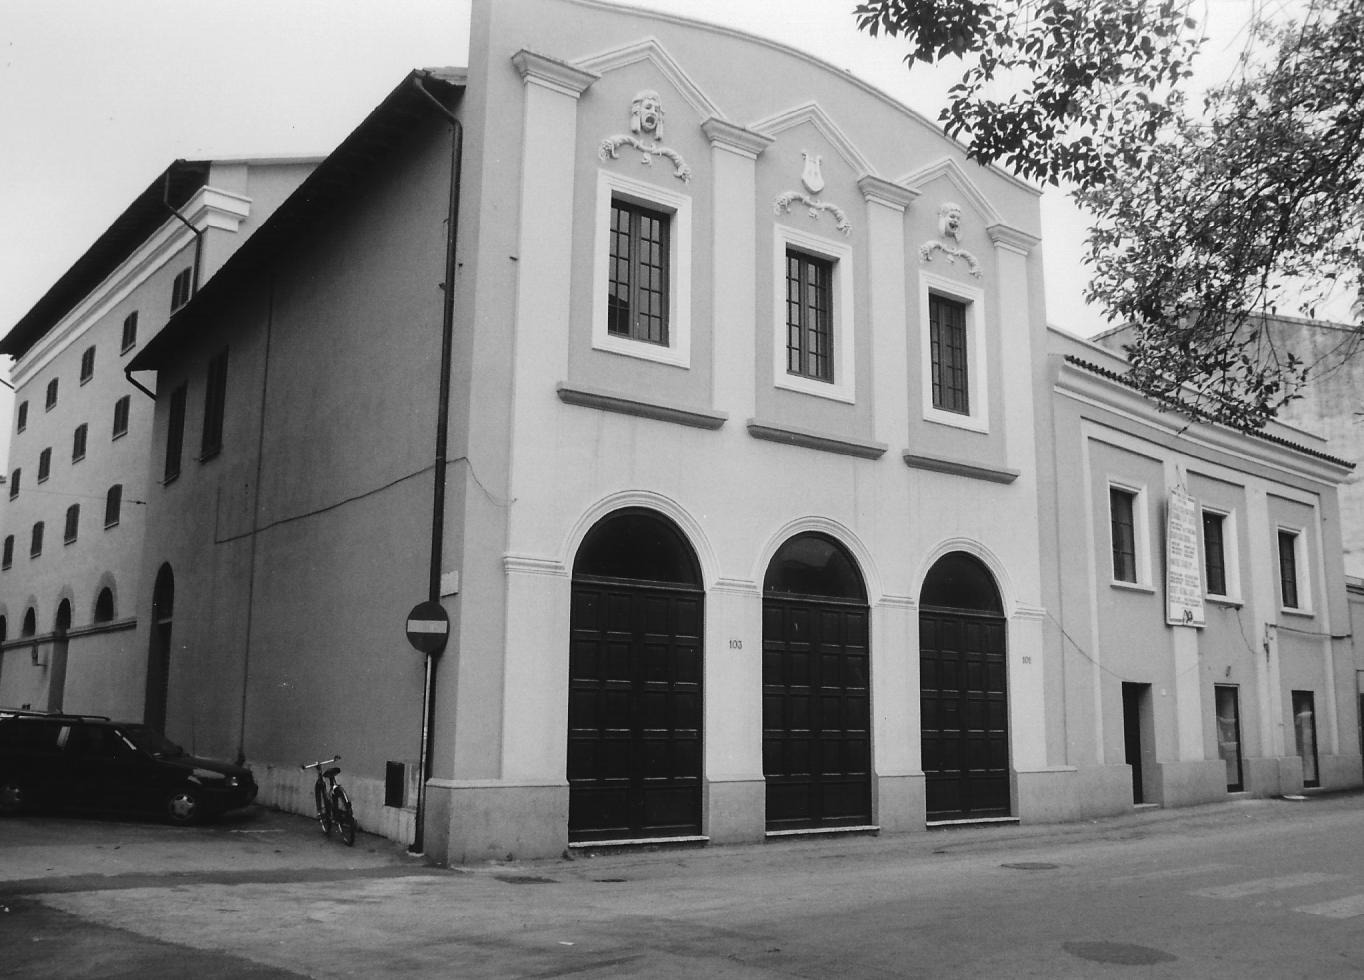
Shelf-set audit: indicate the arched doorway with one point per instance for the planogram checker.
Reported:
(159, 650)
(963, 691)
(816, 687)
(635, 682)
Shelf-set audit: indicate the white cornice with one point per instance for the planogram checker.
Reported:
(1088, 388)
(551, 73)
(650, 50)
(209, 208)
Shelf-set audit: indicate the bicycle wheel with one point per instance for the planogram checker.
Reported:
(324, 810)
(345, 816)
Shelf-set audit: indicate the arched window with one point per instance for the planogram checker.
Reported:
(104, 605)
(961, 581)
(637, 545)
(4, 629)
(814, 565)
(30, 627)
(63, 620)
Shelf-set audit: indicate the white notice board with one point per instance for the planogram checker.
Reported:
(1183, 572)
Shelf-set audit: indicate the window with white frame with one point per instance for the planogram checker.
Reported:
(812, 304)
(1127, 535)
(953, 353)
(1221, 565)
(1295, 593)
(641, 304)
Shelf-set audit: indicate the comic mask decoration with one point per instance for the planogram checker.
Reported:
(646, 114)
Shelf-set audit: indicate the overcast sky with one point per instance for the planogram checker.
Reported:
(98, 97)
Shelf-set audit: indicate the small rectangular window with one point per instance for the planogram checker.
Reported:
(36, 543)
(51, 401)
(175, 432)
(1122, 521)
(215, 398)
(180, 289)
(73, 519)
(947, 349)
(8, 558)
(87, 364)
(21, 417)
(1288, 569)
(14, 483)
(1214, 553)
(78, 443)
(809, 316)
(121, 409)
(113, 505)
(637, 288)
(44, 464)
(129, 332)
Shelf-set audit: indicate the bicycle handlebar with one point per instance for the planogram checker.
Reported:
(320, 763)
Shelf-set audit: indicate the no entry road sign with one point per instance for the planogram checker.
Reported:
(428, 627)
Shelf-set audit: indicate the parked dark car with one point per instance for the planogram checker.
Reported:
(87, 762)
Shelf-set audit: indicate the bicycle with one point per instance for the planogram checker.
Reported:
(333, 805)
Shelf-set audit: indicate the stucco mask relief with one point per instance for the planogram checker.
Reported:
(812, 178)
(646, 134)
(948, 242)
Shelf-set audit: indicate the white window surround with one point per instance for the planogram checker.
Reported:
(1300, 568)
(1141, 547)
(977, 360)
(843, 388)
(1231, 556)
(677, 352)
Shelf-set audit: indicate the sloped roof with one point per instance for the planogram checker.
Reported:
(336, 177)
(174, 186)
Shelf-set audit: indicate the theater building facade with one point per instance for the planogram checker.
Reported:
(742, 517)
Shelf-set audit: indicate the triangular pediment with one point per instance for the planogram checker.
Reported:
(953, 172)
(812, 113)
(650, 50)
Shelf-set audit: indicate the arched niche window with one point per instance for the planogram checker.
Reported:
(4, 629)
(637, 545)
(814, 565)
(104, 605)
(163, 595)
(961, 581)
(63, 620)
(30, 627)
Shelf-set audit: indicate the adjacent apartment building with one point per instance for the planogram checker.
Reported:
(708, 392)
(74, 510)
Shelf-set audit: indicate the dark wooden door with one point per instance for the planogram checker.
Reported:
(634, 712)
(816, 714)
(1132, 696)
(964, 703)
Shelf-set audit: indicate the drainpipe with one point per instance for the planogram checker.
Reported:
(442, 434)
(198, 234)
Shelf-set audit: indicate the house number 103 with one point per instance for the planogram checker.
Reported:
(736, 644)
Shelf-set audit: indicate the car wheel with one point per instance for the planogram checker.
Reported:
(13, 797)
(182, 806)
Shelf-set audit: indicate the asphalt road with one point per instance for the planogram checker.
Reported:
(1247, 889)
